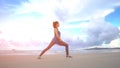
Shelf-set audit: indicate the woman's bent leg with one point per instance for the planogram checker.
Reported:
(66, 48)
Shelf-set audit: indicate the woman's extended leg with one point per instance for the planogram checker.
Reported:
(49, 46)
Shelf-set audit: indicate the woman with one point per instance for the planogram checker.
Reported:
(56, 40)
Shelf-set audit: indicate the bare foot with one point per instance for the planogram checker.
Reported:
(39, 57)
(68, 56)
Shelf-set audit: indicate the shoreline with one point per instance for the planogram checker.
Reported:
(35, 52)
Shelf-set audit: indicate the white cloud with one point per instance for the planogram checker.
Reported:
(66, 10)
(24, 29)
(115, 43)
(84, 10)
(96, 32)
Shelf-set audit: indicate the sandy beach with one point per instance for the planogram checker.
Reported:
(85, 60)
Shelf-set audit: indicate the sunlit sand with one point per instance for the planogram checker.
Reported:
(83, 60)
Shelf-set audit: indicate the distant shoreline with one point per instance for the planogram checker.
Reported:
(36, 52)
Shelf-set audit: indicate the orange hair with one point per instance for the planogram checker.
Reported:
(55, 23)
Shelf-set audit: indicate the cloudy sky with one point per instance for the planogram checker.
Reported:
(27, 24)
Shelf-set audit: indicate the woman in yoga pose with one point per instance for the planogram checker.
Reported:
(56, 40)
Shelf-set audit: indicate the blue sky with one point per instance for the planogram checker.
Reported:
(114, 17)
(82, 23)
